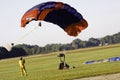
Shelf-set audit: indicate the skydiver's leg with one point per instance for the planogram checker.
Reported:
(25, 72)
(22, 72)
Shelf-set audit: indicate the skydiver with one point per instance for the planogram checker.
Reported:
(22, 66)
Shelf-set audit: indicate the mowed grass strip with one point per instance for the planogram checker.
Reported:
(45, 67)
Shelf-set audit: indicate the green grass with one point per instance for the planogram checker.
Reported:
(45, 67)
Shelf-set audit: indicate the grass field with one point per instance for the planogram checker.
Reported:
(45, 67)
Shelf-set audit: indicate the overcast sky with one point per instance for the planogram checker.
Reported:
(103, 17)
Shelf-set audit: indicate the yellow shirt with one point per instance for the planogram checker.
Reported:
(21, 63)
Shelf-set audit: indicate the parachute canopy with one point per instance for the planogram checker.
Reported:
(58, 13)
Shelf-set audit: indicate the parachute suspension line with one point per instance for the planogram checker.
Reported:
(10, 45)
(25, 35)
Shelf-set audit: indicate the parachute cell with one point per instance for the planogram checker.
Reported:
(58, 13)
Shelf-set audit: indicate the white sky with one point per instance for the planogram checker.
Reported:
(103, 17)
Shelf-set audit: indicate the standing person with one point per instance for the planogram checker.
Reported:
(22, 66)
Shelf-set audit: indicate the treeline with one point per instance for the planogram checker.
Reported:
(15, 52)
(24, 49)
